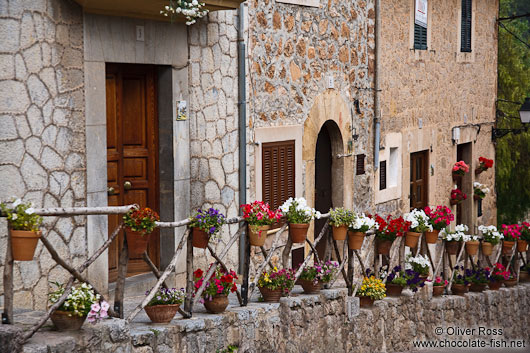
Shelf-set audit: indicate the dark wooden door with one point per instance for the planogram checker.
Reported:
(132, 152)
(322, 184)
(419, 168)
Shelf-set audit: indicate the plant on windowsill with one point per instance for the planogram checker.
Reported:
(512, 233)
(419, 223)
(215, 294)
(491, 237)
(23, 226)
(339, 219)
(357, 230)
(387, 231)
(139, 223)
(259, 218)
(460, 169)
(274, 284)
(480, 191)
(371, 289)
(438, 219)
(164, 305)
(298, 214)
(191, 9)
(205, 226)
(313, 277)
(484, 164)
(457, 196)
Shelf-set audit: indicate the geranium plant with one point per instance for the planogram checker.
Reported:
(419, 221)
(390, 228)
(419, 264)
(166, 296)
(221, 283)
(498, 273)
(490, 234)
(484, 164)
(339, 217)
(322, 272)
(191, 9)
(20, 215)
(209, 221)
(82, 301)
(512, 232)
(362, 223)
(525, 231)
(457, 196)
(480, 190)
(141, 220)
(277, 279)
(439, 281)
(460, 168)
(297, 211)
(258, 213)
(373, 288)
(439, 218)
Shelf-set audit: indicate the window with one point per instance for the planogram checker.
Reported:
(465, 30)
(360, 164)
(382, 175)
(393, 168)
(420, 24)
(278, 172)
(420, 37)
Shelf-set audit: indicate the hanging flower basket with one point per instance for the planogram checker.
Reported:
(340, 233)
(383, 246)
(507, 247)
(472, 247)
(452, 247)
(432, 237)
(258, 234)
(298, 232)
(355, 240)
(136, 242)
(487, 248)
(199, 238)
(23, 244)
(411, 239)
(522, 245)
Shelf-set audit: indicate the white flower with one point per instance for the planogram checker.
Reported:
(30, 210)
(14, 216)
(16, 203)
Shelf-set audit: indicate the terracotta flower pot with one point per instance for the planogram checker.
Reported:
(454, 202)
(512, 282)
(383, 246)
(162, 314)
(457, 177)
(270, 295)
(339, 233)
(136, 243)
(432, 237)
(478, 171)
(522, 245)
(524, 276)
(393, 290)
(472, 247)
(258, 234)
(507, 246)
(310, 287)
(459, 289)
(476, 197)
(437, 290)
(452, 247)
(495, 285)
(199, 238)
(366, 302)
(477, 287)
(217, 305)
(487, 248)
(23, 244)
(411, 239)
(298, 232)
(63, 322)
(355, 240)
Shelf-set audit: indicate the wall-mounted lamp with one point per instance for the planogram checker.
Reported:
(354, 134)
(524, 116)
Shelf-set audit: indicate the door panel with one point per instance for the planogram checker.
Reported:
(132, 152)
(418, 180)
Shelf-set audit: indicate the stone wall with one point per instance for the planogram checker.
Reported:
(42, 134)
(311, 323)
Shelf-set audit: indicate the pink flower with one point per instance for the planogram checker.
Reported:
(105, 306)
(95, 307)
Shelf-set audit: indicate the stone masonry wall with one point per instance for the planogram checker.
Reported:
(42, 138)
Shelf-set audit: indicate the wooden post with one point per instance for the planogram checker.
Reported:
(306, 260)
(119, 292)
(342, 264)
(7, 315)
(189, 273)
(287, 252)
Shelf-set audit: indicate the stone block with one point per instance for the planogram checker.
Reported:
(9, 32)
(37, 90)
(12, 152)
(51, 160)
(34, 175)
(13, 97)
(96, 161)
(9, 130)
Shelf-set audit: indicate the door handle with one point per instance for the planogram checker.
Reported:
(127, 185)
(111, 191)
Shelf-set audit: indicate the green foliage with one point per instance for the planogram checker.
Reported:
(230, 349)
(21, 216)
(340, 217)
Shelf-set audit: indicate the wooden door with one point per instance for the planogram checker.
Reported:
(132, 152)
(323, 200)
(419, 168)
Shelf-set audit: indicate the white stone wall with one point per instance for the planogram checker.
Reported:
(42, 131)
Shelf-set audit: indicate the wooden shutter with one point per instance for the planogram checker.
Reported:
(360, 164)
(465, 42)
(278, 177)
(382, 175)
(420, 37)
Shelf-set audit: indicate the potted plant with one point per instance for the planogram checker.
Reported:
(387, 231)
(438, 286)
(480, 191)
(139, 223)
(491, 237)
(371, 289)
(484, 164)
(23, 226)
(164, 305)
(438, 219)
(461, 280)
(497, 276)
(357, 230)
(479, 279)
(512, 233)
(511, 281)
(524, 274)
(339, 219)
(398, 279)
(80, 303)
(419, 223)
(215, 294)
(191, 10)
(457, 196)
(460, 169)
(275, 283)
(313, 277)
(454, 239)
(205, 226)
(472, 244)
(419, 264)
(298, 216)
(259, 218)
(522, 243)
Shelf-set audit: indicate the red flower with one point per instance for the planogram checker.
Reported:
(198, 273)
(234, 288)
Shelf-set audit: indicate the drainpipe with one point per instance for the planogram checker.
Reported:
(377, 108)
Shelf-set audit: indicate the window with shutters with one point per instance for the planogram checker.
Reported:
(465, 29)
(382, 175)
(420, 37)
(360, 164)
(278, 172)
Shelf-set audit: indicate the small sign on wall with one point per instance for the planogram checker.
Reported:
(420, 13)
(182, 110)
(312, 3)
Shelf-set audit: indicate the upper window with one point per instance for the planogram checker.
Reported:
(278, 170)
(420, 24)
(465, 35)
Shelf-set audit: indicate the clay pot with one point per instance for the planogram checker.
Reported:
(452, 247)
(270, 295)
(432, 237)
(298, 232)
(522, 245)
(63, 322)
(199, 238)
(437, 291)
(411, 239)
(136, 243)
(512, 282)
(487, 248)
(355, 240)
(366, 302)
(339, 233)
(258, 234)
(162, 314)
(459, 289)
(393, 290)
(495, 285)
(524, 276)
(454, 202)
(383, 246)
(217, 305)
(472, 247)
(476, 197)
(478, 171)
(477, 287)
(23, 244)
(310, 287)
(507, 247)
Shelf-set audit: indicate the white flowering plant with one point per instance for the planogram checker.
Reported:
(191, 9)
(362, 223)
(480, 190)
(419, 264)
(20, 215)
(82, 301)
(297, 211)
(419, 221)
(491, 234)
(459, 234)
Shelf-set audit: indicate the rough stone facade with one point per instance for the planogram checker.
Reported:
(42, 134)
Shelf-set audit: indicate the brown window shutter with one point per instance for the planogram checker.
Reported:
(382, 175)
(360, 164)
(278, 172)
